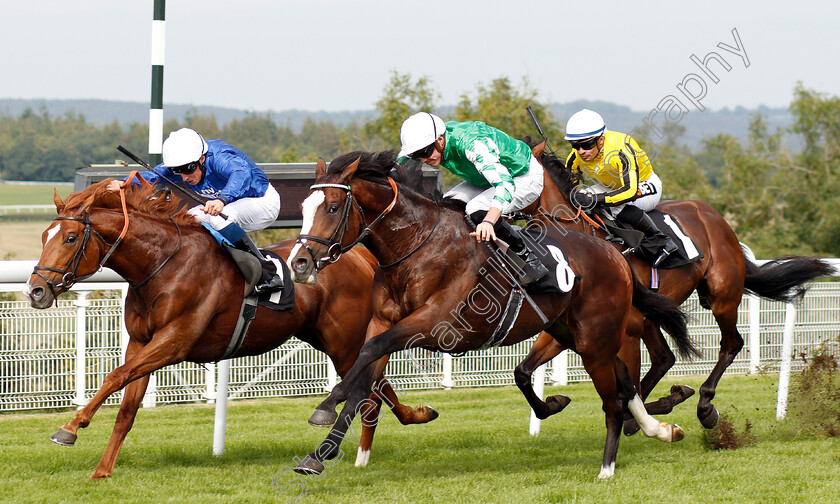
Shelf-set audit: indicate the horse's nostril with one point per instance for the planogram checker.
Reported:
(301, 264)
(37, 293)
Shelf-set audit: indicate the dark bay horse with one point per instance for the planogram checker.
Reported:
(437, 288)
(720, 278)
(185, 297)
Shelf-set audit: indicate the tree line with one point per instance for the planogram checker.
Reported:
(779, 201)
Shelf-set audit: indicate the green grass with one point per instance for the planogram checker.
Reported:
(36, 194)
(479, 450)
(20, 234)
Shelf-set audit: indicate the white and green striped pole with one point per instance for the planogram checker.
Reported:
(156, 107)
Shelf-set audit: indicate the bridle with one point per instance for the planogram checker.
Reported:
(333, 244)
(69, 275)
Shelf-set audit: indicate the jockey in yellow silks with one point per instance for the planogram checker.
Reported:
(621, 176)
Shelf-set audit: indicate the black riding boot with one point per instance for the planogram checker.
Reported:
(640, 220)
(270, 281)
(534, 268)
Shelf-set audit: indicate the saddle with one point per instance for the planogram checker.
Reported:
(251, 269)
(634, 240)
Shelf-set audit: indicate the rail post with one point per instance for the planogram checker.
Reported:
(81, 303)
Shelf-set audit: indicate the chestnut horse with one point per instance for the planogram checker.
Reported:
(720, 279)
(437, 288)
(185, 297)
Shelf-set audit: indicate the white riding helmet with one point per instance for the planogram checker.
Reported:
(418, 131)
(183, 147)
(585, 124)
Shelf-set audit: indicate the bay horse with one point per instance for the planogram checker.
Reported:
(720, 278)
(437, 288)
(185, 297)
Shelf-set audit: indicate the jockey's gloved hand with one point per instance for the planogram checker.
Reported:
(587, 201)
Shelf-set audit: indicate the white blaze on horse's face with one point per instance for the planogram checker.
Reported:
(52, 232)
(309, 207)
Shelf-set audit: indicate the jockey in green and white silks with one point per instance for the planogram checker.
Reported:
(498, 170)
(500, 175)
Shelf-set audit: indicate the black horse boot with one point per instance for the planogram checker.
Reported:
(640, 220)
(270, 281)
(534, 269)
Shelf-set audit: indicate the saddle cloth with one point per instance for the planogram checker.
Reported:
(560, 277)
(284, 299)
(687, 252)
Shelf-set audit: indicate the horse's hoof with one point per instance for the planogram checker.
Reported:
(631, 427)
(556, 403)
(683, 390)
(431, 413)
(309, 466)
(677, 434)
(63, 437)
(710, 420)
(323, 418)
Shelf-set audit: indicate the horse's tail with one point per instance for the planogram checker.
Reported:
(664, 312)
(782, 279)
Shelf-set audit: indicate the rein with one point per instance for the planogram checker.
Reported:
(403, 258)
(594, 222)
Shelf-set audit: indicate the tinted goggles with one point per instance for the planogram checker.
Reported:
(184, 169)
(423, 153)
(585, 144)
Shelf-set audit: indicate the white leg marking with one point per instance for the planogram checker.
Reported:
(650, 426)
(309, 207)
(607, 471)
(362, 458)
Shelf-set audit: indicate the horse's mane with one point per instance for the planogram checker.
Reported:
(556, 169)
(377, 167)
(147, 200)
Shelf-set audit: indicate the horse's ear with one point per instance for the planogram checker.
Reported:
(320, 168)
(88, 203)
(59, 203)
(538, 149)
(347, 173)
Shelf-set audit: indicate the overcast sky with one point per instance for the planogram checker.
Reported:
(339, 54)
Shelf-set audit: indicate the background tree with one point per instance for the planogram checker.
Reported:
(813, 179)
(401, 98)
(683, 178)
(751, 196)
(502, 106)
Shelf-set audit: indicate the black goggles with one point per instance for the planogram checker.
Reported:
(585, 144)
(184, 169)
(424, 152)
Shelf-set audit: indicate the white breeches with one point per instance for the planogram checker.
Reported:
(252, 214)
(529, 186)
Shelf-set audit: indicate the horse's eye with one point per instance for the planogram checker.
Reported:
(333, 208)
(70, 239)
